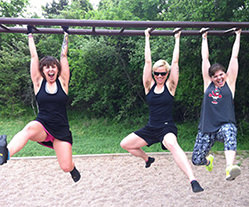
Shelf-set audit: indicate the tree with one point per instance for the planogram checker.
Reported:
(54, 8)
(13, 8)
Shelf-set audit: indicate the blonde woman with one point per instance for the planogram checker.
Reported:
(160, 82)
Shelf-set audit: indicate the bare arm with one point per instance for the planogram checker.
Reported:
(147, 76)
(65, 72)
(233, 67)
(174, 73)
(34, 64)
(205, 60)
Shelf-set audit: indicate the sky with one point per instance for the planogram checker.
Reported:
(36, 5)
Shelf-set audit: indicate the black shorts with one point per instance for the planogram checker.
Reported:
(154, 135)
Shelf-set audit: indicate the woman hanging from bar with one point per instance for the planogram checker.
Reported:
(217, 121)
(51, 128)
(161, 128)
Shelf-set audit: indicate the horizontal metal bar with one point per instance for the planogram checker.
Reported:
(117, 23)
(116, 32)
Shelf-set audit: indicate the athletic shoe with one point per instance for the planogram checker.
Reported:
(196, 186)
(210, 166)
(149, 162)
(3, 149)
(75, 175)
(232, 172)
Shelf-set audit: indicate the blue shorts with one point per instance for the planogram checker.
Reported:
(204, 141)
(154, 135)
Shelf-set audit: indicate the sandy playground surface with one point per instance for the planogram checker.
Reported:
(119, 180)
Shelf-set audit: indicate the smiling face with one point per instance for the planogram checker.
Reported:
(50, 68)
(217, 74)
(219, 78)
(160, 71)
(160, 75)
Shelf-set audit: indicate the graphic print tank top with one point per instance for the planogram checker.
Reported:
(217, 108)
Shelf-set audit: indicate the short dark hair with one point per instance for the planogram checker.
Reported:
(49, 61)
(214, 68)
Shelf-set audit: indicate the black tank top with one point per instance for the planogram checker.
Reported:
(52, 112)
(217, 108)
(160, 107)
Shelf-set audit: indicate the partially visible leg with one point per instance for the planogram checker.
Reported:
(133, 143)
(63, 152)
(32, 131)
(230, 156)
(228, 134)
(3, 149)
(203, 144)
(170, 142)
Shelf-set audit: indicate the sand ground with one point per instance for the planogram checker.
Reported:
(119, 180)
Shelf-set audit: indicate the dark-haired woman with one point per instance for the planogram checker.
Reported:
(50, 79)
(217, 121)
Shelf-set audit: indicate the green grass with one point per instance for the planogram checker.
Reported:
(99, 136)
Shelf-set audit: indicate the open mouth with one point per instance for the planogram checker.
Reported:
(51, 75)
(220, 82)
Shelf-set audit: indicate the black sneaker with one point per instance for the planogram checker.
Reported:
(75, 175)
(3, 149)
(196, 186)
(149, 162)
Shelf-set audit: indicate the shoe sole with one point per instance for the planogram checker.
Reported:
(234, 172)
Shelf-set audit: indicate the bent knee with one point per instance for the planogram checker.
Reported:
(194, 161)
(170, 142)
(198, 160)
(66, 168)
(32, 127)
(123, 144)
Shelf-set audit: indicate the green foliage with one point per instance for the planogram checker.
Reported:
(54, 8)
(12, 8)
(99, 78)
(99, 136)
(15, 86)
(107, 71)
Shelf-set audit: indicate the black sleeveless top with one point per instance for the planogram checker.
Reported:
(52, 112)
(160, 107)
(217, 108)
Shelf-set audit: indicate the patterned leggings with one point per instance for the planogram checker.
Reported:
(227, 134)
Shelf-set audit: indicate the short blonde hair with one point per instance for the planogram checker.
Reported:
(160, 63)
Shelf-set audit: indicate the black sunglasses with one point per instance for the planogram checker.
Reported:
(159, 73)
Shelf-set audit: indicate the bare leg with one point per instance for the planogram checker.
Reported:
(230, 156)
(64, 155)
(32, 131)
(133, 143)
(179, 156)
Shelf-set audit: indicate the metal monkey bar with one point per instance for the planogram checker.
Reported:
(111, 27)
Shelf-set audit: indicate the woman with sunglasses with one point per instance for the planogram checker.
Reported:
(160, 92)
(217, 121)
(51, 128)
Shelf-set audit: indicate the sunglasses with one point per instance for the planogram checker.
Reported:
(159, 73)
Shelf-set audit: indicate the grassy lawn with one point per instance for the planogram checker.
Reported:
(98, 136)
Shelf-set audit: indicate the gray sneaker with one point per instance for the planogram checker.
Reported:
(3, 149)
